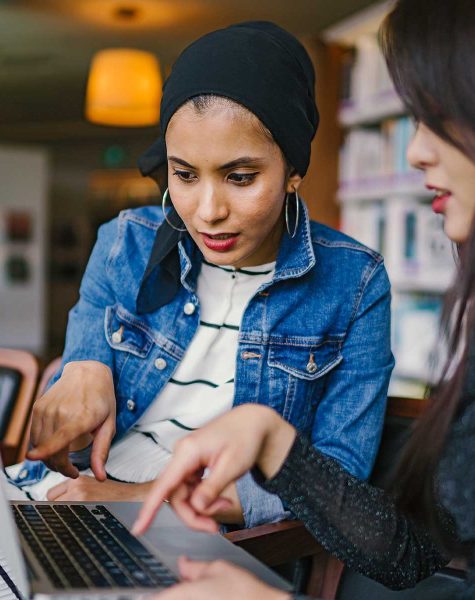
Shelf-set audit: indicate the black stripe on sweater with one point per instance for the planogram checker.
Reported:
(244, 271)
(216, 326)
(181, 426)
(202, 381)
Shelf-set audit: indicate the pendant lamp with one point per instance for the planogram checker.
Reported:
(124, 88)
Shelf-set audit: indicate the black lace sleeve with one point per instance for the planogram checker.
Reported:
(355, 521)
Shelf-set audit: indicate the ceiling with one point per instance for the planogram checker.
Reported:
(46, 47)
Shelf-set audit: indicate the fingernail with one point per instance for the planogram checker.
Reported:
(135, 528)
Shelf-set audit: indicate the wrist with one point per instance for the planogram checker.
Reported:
(90, 375)
(85, 367)
(139, 491)
(278, 441)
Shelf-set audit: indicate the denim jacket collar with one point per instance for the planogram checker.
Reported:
(190, 262)
(296, 256)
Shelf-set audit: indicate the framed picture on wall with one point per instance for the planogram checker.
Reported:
(18, 226)
(17, 269)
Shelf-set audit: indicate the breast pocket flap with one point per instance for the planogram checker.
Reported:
(310, 362)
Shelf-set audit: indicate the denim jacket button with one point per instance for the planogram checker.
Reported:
(311, 367)
(160, 364)
(130, 405)
(189, 308)
(117, 337)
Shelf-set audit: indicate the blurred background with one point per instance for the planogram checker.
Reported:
(68, 150)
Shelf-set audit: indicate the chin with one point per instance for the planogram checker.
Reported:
(456, 232)
(219, 258)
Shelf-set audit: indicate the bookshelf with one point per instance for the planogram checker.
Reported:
(383, 104)
(374, 188)
(384, 202)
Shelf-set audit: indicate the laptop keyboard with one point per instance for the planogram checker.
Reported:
(78, 550)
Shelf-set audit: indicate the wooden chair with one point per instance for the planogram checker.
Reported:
(275, 544)
(49, 371)
(26, 364)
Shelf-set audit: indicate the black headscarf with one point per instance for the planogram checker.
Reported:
(262, 67)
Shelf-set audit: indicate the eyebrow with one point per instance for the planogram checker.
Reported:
(248, 161)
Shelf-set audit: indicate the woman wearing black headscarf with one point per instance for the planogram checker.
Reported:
(230, 295)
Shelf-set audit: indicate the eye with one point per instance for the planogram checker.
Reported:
(186, 176)
(242, 178)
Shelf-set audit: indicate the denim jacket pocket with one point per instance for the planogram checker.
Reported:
(124, 332)
(299, 371)
(307, 361)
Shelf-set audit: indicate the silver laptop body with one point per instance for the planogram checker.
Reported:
(22, 543)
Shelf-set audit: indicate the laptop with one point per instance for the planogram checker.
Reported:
(84, 550)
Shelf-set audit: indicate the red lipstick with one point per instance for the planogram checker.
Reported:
(220, 242)
(439, 203)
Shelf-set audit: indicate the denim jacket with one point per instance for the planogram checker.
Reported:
(314, 343)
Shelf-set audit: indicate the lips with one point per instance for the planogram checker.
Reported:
(439, 203)
(219, 242)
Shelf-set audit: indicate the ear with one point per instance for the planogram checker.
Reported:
(293, 182)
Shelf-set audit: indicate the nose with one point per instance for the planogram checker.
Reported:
(212, 205)
(421, 152)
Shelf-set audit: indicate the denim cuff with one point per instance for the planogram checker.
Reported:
(259, 506)
(81, 458)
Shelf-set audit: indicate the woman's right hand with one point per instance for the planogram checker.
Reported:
(81, 404)
(228, 446)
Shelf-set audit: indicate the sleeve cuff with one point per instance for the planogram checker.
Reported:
(258, 505)
(291, 465)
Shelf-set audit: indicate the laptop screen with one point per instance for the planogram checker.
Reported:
(11, 558)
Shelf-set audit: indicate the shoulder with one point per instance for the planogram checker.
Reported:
(324, 237)
(124, 244)
(345, 261)
(144, 218)
(131, 227)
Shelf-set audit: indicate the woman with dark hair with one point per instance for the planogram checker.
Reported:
(226, 294)
(400, 537)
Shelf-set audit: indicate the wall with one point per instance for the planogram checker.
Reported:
(23, 223)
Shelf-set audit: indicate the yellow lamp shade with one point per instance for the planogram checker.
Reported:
(124, 88)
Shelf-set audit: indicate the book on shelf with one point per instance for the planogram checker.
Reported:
(414, 336)
(376, 154)
(367, 92)
(366, 222)
(417, 252)
(409, 235)
(369, 76)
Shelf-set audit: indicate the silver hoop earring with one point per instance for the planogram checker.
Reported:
(164, 198)
(297, 214)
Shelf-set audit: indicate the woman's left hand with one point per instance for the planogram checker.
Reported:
(86, 489)
(219, 579)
